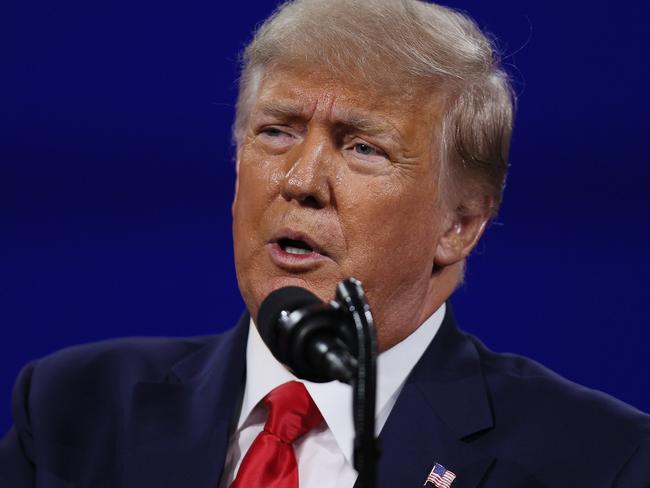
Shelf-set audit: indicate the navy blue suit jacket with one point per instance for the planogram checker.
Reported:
(138, 413)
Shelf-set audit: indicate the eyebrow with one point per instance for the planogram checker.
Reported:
(350, 118)
(281, 110)
(364, 123)
(360, 122)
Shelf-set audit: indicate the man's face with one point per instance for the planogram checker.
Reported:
(336, 180)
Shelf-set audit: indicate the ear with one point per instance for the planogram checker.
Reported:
(463, 228)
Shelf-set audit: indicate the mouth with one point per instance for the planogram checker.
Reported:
(296, 252)
(295, 247)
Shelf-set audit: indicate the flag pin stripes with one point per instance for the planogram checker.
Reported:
(440, 477)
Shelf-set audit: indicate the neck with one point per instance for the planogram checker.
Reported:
(440, 286)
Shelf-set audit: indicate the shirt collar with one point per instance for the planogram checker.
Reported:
(334, 399)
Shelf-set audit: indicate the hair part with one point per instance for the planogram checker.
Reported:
(401, 45)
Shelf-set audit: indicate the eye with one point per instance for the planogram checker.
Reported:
(275, 139)
(367, 149)
(364, 156)
(272, 132)
(275, 135)
(365, 152)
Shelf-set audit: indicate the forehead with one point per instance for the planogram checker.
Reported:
(307, 93)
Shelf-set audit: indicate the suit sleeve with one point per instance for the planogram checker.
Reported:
(636, 472)
(16, 447)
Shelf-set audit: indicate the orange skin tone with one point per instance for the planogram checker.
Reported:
(356, 173)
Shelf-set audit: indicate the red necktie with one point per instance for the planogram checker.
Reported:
(270, 462)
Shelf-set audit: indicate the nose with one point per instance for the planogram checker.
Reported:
(307, 176)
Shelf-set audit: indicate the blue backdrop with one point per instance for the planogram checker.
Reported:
(116, 177)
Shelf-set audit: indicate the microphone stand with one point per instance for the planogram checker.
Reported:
(351, 298)
(321, 342)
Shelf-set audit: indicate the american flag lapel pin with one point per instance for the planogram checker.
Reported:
(440, 477)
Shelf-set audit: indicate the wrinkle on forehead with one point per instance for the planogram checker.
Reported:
(346, 102)
(406, 126)
(388, 92)
(338, 114)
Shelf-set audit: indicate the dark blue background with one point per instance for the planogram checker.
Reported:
(116, 178)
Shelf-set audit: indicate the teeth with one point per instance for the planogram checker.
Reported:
(296, 250)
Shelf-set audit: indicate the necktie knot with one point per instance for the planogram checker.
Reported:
(291, 412)
(270, 461)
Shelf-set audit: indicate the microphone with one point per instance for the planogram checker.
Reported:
(313, 339)
(322, 342)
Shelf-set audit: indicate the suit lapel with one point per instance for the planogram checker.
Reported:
(178, 429)
(442, 403)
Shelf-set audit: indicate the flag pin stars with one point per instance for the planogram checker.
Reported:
(440, 477)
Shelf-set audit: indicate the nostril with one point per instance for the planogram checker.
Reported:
(309, 189)
(306, 200)
(311, 202)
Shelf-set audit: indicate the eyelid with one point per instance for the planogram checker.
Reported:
(271, 129)
(285, 126)
(279, 129)
(379, 151)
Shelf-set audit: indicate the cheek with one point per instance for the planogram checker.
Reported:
(392, 232)
(253, 193)
(258, 182)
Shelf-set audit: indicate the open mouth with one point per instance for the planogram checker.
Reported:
(297, 247)
(296, 251)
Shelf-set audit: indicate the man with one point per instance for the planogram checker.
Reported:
(372, 141)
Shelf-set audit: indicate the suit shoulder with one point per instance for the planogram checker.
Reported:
(109, 367)
(533, 400)
(84, 393)
(518, 376)
(148, 357)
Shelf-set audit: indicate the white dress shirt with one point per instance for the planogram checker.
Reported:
(324, 454)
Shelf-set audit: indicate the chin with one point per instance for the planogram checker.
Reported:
(262, 287)
(323, 288)
(282, 281)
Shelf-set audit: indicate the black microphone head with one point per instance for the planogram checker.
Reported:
(285, 299)
(305, 334)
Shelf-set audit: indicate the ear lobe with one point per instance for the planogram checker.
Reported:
(462, 232)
